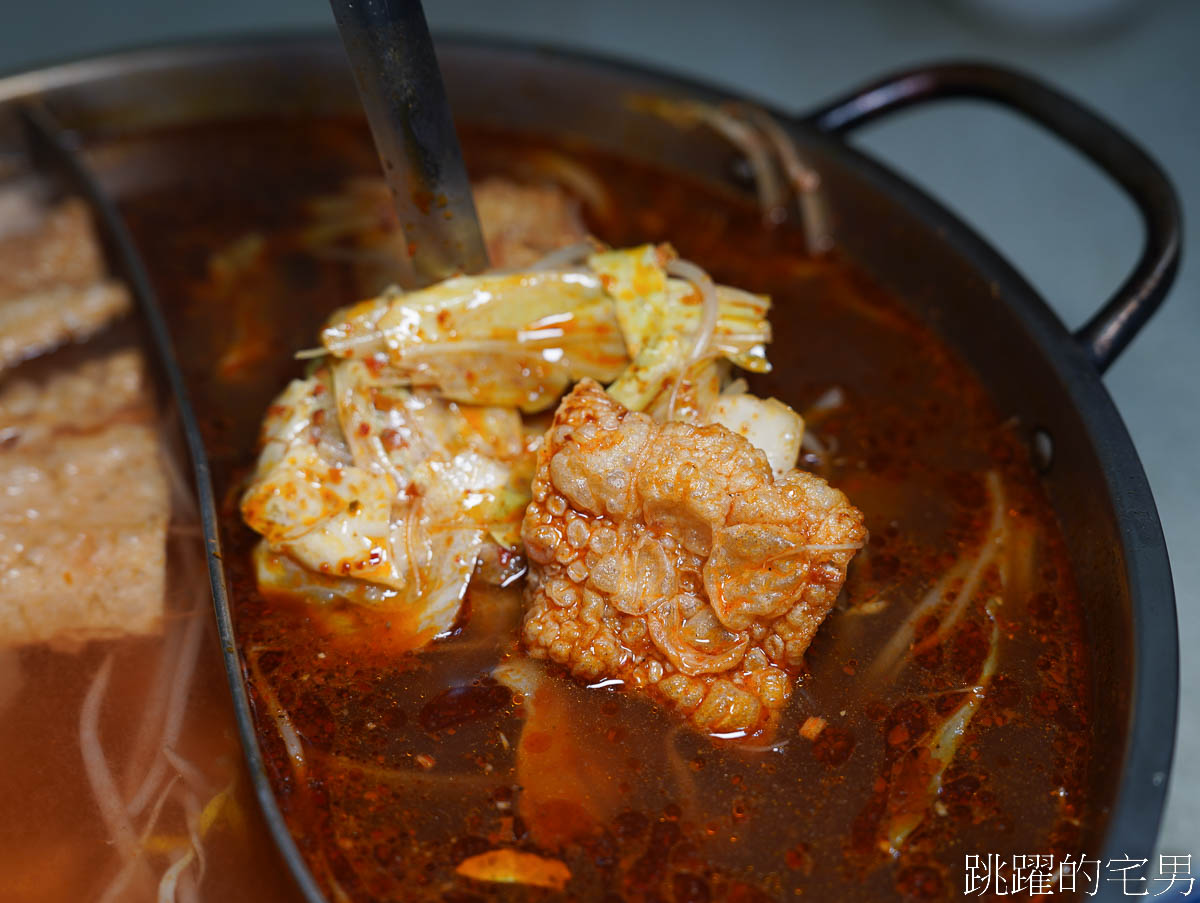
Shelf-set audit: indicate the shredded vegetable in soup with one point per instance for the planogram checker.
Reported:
(120, 776)
(664, 561)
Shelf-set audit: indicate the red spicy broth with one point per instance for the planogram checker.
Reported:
(408, 763)
(73, 715)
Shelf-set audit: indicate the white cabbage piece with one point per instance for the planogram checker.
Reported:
(383, 495)
(516, 340)
(310, 499)
(768, 423)
(521, 339)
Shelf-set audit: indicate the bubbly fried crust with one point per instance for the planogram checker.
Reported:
(52, 285)
(34, 324)
(666, 556)
(83, 515)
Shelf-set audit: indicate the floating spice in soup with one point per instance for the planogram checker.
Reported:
(939, 709)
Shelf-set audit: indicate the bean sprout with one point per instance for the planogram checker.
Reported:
(971, 571)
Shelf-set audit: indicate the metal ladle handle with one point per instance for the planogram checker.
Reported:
(396, 70)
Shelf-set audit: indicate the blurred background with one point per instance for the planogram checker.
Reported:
(1070, 231)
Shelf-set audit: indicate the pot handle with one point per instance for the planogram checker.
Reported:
(1105, 335)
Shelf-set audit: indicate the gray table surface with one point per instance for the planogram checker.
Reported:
(1063, 225)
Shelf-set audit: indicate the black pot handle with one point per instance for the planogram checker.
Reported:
(1111, 328)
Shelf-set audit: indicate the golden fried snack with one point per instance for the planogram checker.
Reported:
(83, 518)
(62, 250)
(52, 285)
(667, 556)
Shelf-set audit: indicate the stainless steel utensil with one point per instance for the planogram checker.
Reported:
(396, 70)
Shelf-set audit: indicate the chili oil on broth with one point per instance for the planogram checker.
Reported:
(407, 763)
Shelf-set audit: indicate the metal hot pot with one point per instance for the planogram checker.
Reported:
(909, 242)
